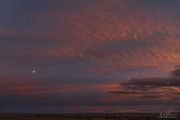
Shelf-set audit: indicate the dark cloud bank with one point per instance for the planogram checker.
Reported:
(152, 87)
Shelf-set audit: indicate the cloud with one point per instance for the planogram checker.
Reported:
(89, 30)
(176, 72)
(90, 41)
(156, 87)
(18, 85)
(155, 82)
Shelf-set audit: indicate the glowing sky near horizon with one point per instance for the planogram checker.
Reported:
(89, 55)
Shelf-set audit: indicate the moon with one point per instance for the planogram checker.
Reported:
(33, 72)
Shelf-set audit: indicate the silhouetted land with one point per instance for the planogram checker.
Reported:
(96, 116)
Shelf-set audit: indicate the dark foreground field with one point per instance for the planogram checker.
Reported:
(104, 116)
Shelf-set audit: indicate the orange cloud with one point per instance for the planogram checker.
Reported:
(20, 85)
(98, 25)
(94, 27)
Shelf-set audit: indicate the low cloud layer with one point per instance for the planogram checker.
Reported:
(157, 87)
(176, 72)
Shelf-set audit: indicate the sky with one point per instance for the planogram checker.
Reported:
(89, 56)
